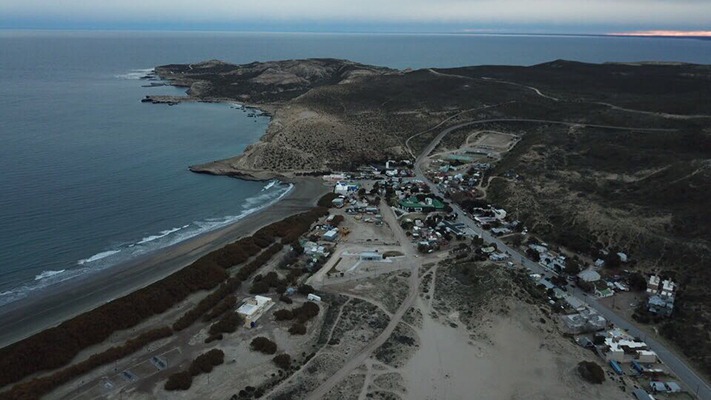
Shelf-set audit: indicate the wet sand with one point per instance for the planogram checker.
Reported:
(68, 299)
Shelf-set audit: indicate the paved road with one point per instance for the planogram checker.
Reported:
(693, 381)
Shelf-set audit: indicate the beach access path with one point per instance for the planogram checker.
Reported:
(69, 299)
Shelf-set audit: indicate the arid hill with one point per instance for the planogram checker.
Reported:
(584, 187)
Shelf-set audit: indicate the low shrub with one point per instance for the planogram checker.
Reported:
(204, 363)
(591, 372)
(282, 361)
(306, 289)
(298, 329)
(263, 345)
(179, 381)
(227, 324)
(37, 387)
(283, 315)
(307, 311)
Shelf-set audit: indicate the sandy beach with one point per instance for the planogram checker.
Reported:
(68, 299)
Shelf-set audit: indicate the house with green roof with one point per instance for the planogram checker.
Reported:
(413, 204)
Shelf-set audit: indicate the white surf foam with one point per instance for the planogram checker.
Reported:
(42, 280)
(270, 185)
(48, 274)
(135, 74)
(98, 256)
(125, 252)
(161, 235)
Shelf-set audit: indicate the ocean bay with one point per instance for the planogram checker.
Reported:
(89, 171)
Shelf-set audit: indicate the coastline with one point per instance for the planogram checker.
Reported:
(69, 299)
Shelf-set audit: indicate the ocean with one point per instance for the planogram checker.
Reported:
(91, 177)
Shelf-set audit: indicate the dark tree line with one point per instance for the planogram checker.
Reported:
(203, 364)
(56, 347)
(38, 387)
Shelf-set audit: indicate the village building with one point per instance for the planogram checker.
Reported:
(661, 299)
(457, 229)
(619, 346)
(653, 284)
(500, 213)
(313, 297)
(345, 188)
(313, 249)
(413, 204)
(498, 257)
(587, 320)
(338, 202)
(334, 177)
(253, 308)
(661, 306)
(664, 387)
(589, 275)
(331, 235)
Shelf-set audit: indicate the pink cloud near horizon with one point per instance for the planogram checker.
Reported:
(665, 33)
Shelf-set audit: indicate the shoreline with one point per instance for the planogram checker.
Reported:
(29, 316)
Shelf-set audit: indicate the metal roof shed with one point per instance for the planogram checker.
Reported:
(640, 394)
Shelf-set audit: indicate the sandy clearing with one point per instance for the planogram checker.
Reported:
(517, 361)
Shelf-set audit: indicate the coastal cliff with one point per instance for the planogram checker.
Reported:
(330, 114)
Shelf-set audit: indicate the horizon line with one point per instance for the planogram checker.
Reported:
(473, 32)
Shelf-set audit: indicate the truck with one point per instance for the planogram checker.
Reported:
(616, 367)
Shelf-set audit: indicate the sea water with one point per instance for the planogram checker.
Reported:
(91, 177)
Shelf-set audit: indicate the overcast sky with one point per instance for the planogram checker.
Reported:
(556, 16)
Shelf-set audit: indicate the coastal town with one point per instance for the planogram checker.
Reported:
(362, 288)
(397, 265)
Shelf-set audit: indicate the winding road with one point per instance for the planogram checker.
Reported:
(694, 383)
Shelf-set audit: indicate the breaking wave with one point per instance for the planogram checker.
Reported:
(136, 74)
(48, 274)
(270, 194)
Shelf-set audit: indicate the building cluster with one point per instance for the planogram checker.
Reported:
(453, 179)
(493, 254)
(661, 296)
(391, 168)
(584, 320)
(619, 346)
(491, 216)
(549, 259)
(426, 234)
(627, 355)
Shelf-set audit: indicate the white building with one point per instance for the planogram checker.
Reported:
(253, 308)
(344, 188)
(653, 284)
(589, 275)
(331, 235)
(667, 288)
